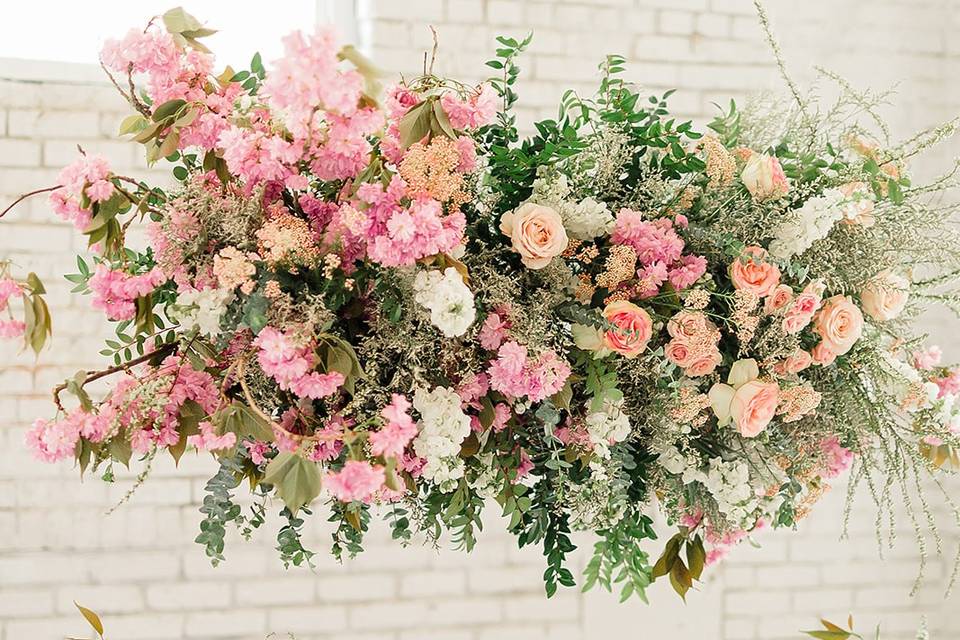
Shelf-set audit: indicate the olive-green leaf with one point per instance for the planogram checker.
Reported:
(696, 557)
(167, 109)
(91, 617)
(190, 416)
(828, 635)
(179, 21)
(440, 116)
(296, 479)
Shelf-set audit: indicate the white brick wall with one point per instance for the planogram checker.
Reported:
(139, 568)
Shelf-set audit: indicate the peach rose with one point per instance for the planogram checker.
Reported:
(687, 325)
(885, 296)
(703, 365)
(763, 177)
(822, 356)
(536, 233)
(794, 363)
(678, 352)
(778, 299)
(752, 272)
(839, 324)
(634, 328)
(753, 406)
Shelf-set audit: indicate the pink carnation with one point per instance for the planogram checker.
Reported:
(477, 110)
(291, 366)
(688, 271)
(116, 291)
(356, 481)
(257, 450)
(493, 331)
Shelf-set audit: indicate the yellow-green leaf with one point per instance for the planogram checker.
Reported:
(91, 617)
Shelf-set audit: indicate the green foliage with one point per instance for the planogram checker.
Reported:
(682, 574)
(289, 542)
(219, 509)
(296, 479)
(618, 560)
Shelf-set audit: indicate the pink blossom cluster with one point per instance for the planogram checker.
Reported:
(51, 441)
(356, 481)
(800, 312)
(114, 291)
(659, 250)
(516, 375)
(87, 176)
(836, 458)
(949, 384)
(396, 235)
(291, 365)
(208, 440)
(329, 444)
(397, 431)
(495, 328)
(479, 108)
(10, 328)
(175, 73)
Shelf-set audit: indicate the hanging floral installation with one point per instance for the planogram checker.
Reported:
(389, 302)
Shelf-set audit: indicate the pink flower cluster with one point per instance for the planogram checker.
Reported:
(125, 409)
(397, 432)
(514, 374)
(115, 291)
(395, 235)
(925, 359)
(291, 365)
(10, 289)
(659, 252)
(798, 314)
(494, 329)
(474, 111)
(54, 441)
(208, 440)
(471, 389)
(87, 175)
(836, 458)
(357, 481)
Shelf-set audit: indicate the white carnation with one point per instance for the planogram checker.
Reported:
(448, 299)
(804, 226)
(443, 428)
(201, 310)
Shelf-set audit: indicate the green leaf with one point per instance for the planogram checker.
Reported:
(132, 124)
(167, 109)
(92, 618)
(297, 480)
(563, 397)
(828, 635)
(696, 557)
(415, 124)
(443, 122)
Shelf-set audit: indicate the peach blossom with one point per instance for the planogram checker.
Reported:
(536, 233)
(763, 177)
(752, 272)
(634, 328)
(858, 207)
(839, 323)
(753, 406)
(885, 296)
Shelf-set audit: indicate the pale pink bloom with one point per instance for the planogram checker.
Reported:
(653, 240)
(257, 449)
(778, 299)
(116, 291)
(472, 112)
(516, 375)
(357, 481)
(493, 331)
(526, 465)
(928, 358)
(839, 324)
(764, 177)
(398, 430)
(822, 355)
(208, 440)
(687, 271)
(12, 328)
(836, 458)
